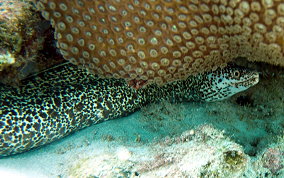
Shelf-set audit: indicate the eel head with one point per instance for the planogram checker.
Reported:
(223, 83)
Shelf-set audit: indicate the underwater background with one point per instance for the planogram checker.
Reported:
(238, 137)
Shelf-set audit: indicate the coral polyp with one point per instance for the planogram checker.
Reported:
(162, 41)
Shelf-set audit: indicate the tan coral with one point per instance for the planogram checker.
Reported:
(16, 31)
(22, 36)
(12, 15)
(165, 40)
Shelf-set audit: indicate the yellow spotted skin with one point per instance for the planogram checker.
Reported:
(159, 41)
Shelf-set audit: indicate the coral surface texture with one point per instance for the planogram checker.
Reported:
(161, 41)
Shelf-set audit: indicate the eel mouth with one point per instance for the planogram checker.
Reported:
(248, 82)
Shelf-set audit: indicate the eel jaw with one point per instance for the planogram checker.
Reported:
(247, 82)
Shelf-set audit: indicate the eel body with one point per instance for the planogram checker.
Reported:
(64, 99)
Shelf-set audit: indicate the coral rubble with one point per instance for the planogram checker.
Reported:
(203, 152)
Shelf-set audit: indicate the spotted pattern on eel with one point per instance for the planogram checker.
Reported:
(64, 99)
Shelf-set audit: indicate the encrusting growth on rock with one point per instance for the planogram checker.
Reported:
(165, 40)
(24, 34)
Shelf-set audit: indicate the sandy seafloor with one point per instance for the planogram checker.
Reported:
(238, 137)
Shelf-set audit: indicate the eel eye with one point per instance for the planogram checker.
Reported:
(236, 74)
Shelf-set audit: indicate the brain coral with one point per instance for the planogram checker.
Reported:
(165, 40)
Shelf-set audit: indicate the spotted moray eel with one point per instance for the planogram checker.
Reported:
(64, 99)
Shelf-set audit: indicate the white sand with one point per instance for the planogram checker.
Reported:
(131, 133)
